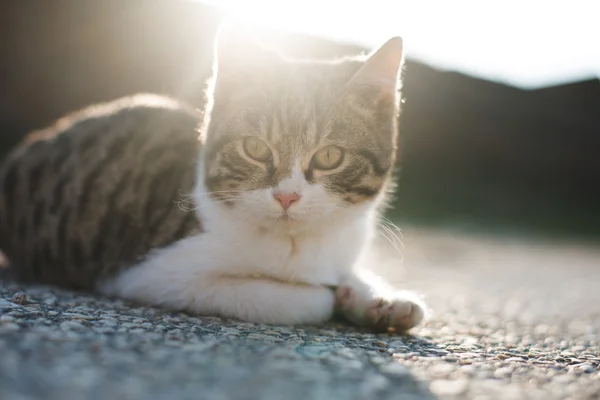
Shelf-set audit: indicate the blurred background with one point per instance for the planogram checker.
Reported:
(500, 126)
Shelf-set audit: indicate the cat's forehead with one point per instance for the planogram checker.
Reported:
(296, 107)
(301, 107)
(292, 125)
(295, 125)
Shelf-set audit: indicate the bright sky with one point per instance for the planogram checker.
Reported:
(527, 43)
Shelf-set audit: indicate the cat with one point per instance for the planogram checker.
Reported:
(284, 174)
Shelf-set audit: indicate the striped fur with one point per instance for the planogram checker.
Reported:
(98, 190)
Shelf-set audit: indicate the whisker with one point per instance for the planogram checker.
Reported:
(393, 227)
(225, 197)
(393, 243)
(185, 208)
(392, 234)
(191, 198)
(396, 232)
(209, 193)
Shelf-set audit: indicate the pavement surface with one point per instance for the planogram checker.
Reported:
(513, 319)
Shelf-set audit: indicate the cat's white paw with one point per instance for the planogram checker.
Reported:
(398, 311)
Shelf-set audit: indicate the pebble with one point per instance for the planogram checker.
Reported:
(393, 368)
(5, 304)
(19, 298)
(437, 351)
(71, 326)
(346, 353)
(450, 358)
(446, 387)
(503, 372)
(9, 327)
(108, 321)
(468, 356)
(378, 360)
(586, 368)
(78, 316)
(441, 370)
(515, 360)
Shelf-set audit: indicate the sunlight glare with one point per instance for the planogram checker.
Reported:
(527, 44)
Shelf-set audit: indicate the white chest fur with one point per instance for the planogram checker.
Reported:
(320, 256)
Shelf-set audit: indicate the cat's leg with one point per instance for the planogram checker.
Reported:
(174, 278)
(249, 299)
(365, 300)
(264, 301)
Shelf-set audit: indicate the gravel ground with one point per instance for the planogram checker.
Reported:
(512, 320)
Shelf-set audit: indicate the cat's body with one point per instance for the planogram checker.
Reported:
(97, 191)
(283, 177)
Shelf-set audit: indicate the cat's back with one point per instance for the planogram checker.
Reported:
(98, 190)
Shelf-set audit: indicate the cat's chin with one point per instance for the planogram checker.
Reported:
(287, 220)
(289, 223)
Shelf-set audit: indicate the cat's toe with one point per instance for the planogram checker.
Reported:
(405, 314)
(397, 314)
(378, 313)
(344, 297)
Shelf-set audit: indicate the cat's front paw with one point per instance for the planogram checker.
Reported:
(398, 311)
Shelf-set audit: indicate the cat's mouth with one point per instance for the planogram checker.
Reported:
(287, 217)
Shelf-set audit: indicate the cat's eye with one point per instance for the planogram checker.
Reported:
(329, 157)
(256, 149)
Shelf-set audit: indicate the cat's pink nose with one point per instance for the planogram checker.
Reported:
(286, 199)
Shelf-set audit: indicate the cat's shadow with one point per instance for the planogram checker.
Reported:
(336, 344)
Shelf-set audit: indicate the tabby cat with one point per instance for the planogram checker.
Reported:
(260, 207)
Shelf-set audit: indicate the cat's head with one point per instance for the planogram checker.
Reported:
(294, 142)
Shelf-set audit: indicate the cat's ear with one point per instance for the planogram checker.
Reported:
(381, 71)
